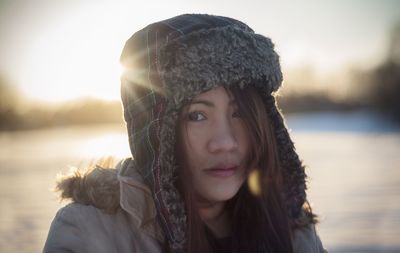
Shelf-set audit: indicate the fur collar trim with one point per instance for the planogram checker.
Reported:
(110, 189)
(96, 186)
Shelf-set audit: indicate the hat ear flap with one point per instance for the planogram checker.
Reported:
(293, 171)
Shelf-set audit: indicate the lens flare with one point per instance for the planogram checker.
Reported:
(254, 182)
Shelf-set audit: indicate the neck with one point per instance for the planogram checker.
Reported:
(216, 218)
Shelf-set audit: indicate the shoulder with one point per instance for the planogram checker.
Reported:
(81, 214)
(307, 240)
(76, 227)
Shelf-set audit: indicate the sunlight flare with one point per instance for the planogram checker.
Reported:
(254, 182)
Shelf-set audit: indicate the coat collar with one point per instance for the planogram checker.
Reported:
(136, 199)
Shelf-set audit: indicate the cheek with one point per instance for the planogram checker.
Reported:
(243, 139)
(194, 144)
(196, 139)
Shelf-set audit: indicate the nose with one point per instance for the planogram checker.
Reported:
(222, 138)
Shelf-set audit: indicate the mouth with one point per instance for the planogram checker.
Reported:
(222, 170)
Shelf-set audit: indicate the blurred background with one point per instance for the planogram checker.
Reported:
(60, 108)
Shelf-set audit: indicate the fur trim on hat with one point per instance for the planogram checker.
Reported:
(225, 55)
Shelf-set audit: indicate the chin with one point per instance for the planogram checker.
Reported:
(218, 190)
(220, 194)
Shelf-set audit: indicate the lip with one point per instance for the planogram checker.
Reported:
(223, 170)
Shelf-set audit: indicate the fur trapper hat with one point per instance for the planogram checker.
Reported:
(177, 59)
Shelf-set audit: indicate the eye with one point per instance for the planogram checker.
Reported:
(196, 116)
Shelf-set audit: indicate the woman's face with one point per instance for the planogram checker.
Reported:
(216, 145)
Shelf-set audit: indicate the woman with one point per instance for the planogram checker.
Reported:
(214, 169)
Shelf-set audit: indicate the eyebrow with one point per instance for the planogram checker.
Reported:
(208, 103)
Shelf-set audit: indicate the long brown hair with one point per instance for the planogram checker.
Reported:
(260, 222)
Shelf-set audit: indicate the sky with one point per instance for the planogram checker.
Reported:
(61, 50)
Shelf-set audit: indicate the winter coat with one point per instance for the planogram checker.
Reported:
(95, 223)
(166, 64)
